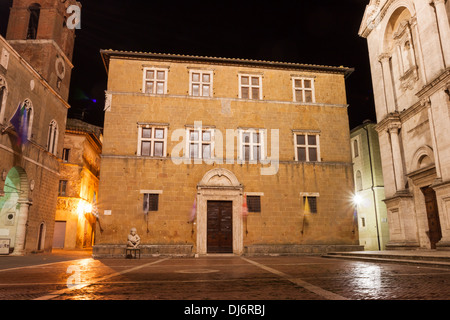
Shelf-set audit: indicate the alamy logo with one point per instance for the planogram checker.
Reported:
(74, 20)
(74, 280)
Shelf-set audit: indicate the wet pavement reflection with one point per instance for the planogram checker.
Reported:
(223, 278)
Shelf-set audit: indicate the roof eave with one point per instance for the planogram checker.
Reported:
(107, 54)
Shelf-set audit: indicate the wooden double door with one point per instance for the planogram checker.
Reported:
(220, 227)
(434, 226)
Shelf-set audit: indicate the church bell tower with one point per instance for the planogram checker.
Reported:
(38, 31)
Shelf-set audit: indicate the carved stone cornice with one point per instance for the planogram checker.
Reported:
(440, 82)
(390, 122)
(393, 127)
(434, 2)
(384, 56)
(402, 30)
(381, 13)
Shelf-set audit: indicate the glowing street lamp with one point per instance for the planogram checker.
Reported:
(357, 199)
(84, 207)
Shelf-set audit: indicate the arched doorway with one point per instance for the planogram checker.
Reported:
(219, 199)
(434, 226)
(426, 206)
(41, 237)
(14, 209)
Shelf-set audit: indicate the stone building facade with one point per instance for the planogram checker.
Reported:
(409, 49)
(78, 186)
(213, 155)
(35, 68)
(369, 189)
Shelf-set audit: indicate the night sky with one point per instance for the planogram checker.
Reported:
(304, 31)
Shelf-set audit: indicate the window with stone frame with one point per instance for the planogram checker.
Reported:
(62, 188)
(310, 204)
(33, 22)
(251, 145)
(2, 100)
(152, 141)
(307, 147)
(151, 202)
(52, 139)
(200, 143)
(355, 148)
(303, 89)
(155, 80)
(254, 203)
(250, 86)
(65, 155)
(30, 117)
(201, 83)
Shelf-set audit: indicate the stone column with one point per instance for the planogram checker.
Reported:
(397, 157)
(444, 28)
(437, 163)
(19, 246)
(418, 47)
(387, 79)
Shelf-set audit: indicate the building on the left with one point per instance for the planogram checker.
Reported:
(35, 71)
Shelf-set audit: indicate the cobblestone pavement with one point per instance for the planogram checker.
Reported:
(219, 278)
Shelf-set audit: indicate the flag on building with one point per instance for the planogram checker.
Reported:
(307, 209)
(20, 122)
(193, 211)
(244, 207)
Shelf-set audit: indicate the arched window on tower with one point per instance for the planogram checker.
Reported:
(355, 148)
(2, 100)
(30, 115)
(52, 137)
(359, 186)
(33, 23)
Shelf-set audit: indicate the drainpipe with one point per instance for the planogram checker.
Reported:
(373, 188)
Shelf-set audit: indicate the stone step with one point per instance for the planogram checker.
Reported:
(436, 260)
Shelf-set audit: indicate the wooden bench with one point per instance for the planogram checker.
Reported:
(129, 252)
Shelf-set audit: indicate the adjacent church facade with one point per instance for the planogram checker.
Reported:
(409, 48)
(213, 155)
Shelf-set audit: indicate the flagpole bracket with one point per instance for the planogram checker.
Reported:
(5, 129)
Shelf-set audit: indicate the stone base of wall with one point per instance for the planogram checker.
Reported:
(147, 251)
(290, 249)
(402, 245)
(443, 245)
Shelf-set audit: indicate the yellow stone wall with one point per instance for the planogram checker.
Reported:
(39, 169)
(281, 220)
(81, 186)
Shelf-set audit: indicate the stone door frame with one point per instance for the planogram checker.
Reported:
(219, 185)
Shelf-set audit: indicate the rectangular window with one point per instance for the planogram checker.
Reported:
(201, 83)
(251, 145)
(250, 87)
(303, 90)
(200, 143)
(152, 141)
(309, 204)
(65, 155)
(155, 81)
(151, 201)
(306, 147)
(355, 148)
(62, 189)
(33, 22)
(363, 222)
(2, 97)
(254, 203)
